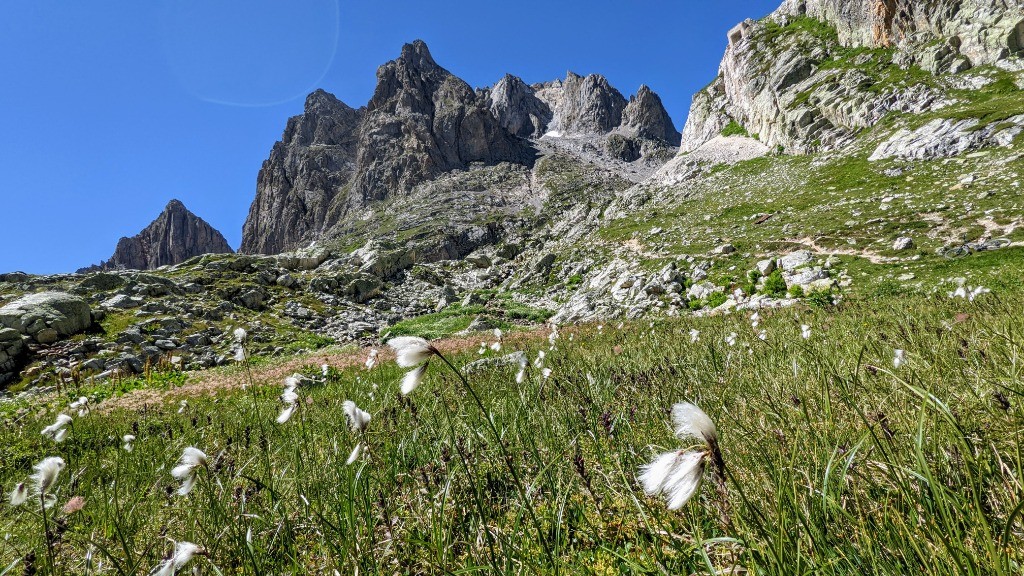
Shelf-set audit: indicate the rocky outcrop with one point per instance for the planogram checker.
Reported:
(645, 117)
(46, 317)
(422, 122)
(791, 81)
(518, 109)
(987, 30)
(583, 105)
(175, 236)
(307, 170)
(334, 164)
(942, 138)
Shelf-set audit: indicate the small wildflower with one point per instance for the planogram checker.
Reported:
(46, 474)
(185, 471)
(73, 505)
(58, 430)
(355, 454)
(19, 495)
(183, 554)
(677, 475)
(358, 419)
(523, 363)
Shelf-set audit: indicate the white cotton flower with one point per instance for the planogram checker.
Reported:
(553, 336)
(58, 430)
(496, 346)
(411, 351)
(546, 373)
(289, 396)
(185, 471)
(483, 348)
(325, 369)
(46, 474)
(239, 354)
(240, 334)
(731, 339)
(183, 554)
(899, 358)
(694, 335)
(19, 495)
(675, 475)
(413, 378)
(523, 363)
(498, 334)
(293, 381)
(805, 331)
(286, 413)
(691, 422)
(128, 439)
(540, 359)
(355, 454)
(358, 419)
(960, 292)
(182, 406)
(755, 318)
(371, 360)
(763, 335)
(975, 292)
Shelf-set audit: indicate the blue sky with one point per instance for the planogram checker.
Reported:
(110, 109)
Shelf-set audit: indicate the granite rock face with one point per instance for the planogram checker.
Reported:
(335, 165)
(307, 170)
(175, 236)
(791, 79)
(45, 316)
(422, 122)
(518, 109)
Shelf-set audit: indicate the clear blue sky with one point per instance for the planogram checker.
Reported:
(110, 109)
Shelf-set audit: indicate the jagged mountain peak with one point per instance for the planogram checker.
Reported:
(173, 237)
(417, 55)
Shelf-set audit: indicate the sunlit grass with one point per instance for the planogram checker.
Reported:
(837, 462)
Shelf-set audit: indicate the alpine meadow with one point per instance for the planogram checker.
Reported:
(537, 329)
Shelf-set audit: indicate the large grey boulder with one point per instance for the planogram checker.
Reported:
(33, 314)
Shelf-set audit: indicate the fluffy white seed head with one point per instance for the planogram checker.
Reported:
(239, 334)
(19, 495)
(371, 360)
(546, 373)
(496, 346)
(46, 474)
(128, 440)
(358, 419)
(899, 358)
(805, 331)
(694, 335)
(691, 422)
(354, 455)
(411, 350)
(286, 413)
(675, 475)
(498, 334)
(413, 378)
(57, 427)
(185, 471)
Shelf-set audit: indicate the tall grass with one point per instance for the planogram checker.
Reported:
(838, 463)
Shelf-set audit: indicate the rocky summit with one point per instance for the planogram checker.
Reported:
(175, 236)
(841, 150)
(335, 164)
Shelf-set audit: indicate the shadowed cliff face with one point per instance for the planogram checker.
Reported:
(334, 162)
(307, 170)
(175, 236)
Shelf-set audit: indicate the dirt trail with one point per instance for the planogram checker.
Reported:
(210, 382)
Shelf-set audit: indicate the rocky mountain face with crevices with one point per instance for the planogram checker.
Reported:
(848, 64)
(335, 163)
(173, 237)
